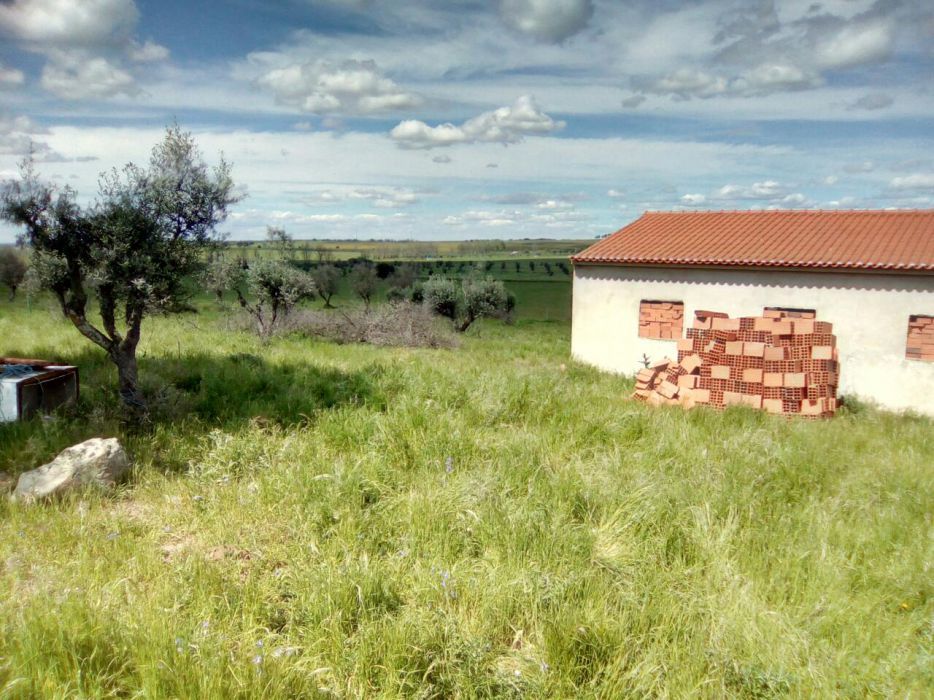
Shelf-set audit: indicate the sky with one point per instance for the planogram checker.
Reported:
(471, 119)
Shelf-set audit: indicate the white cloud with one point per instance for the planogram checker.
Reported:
(515, 217)
(555, 205)
(504, 125)
(147, 52)
(693, 200)
(86, 44)
(768, 189)
(386, 197)
(754, 49)
(10, 77)
(917, 181)
(379, 197)
(73, 75)
(17, 136)
(769, 77)
(858, 44)
(547, 20)
(689, 82)
(763, 79)
(351, 87)
(67, 22)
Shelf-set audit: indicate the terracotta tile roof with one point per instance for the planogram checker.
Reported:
(863, 240)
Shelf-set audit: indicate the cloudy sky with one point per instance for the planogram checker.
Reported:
(435, 119)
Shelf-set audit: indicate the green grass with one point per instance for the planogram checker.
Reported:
(539, 296)
(493, 249)
(306, 518)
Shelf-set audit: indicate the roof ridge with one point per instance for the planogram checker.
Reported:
(878, 239)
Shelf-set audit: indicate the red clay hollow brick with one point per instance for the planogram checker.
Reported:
(754, 349)
(720, 372)
(772, 405)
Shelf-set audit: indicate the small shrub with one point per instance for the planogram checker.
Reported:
(363, 281)
(327, 279)
(396, 324)
(468, 301)
(268, 290)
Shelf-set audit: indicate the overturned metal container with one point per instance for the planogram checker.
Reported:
(30, 387)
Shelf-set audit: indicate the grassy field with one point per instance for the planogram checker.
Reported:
(307, 519)
(539, 296)
(335, 250)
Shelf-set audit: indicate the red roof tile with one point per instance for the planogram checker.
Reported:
(861, 240)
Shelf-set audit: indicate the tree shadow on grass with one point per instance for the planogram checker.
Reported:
(188, 396)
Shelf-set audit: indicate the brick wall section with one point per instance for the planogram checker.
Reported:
(920, 344)
(776, 312)
(663, 320)
(776, 364)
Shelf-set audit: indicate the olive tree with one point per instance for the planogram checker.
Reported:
(267, 290)
(468, 300)
(134, 249)
(12, 270)
(363, 281)
(327, 280)
(279, 238)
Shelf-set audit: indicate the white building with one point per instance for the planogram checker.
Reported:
(870, 273)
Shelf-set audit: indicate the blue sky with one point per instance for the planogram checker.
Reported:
(434, 119)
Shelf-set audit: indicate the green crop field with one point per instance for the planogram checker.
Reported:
(337, 250)
(494, 520)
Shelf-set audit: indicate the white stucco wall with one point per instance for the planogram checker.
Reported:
(869, 313)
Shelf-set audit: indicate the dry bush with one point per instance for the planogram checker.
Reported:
(397, 324)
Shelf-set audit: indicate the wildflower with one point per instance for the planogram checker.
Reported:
(449, 464)
(179, 645)
(112, 535)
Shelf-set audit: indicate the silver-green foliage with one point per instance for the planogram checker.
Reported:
(267, 290)
(327, 280)
(12, 270)
(467, 300)
(134, 248)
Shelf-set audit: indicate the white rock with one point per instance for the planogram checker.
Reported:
(96, 462)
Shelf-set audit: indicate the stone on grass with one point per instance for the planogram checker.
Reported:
(97, 462)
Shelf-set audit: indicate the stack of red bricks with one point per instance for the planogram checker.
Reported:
(772, 362)
(661, 319)
(920, 338)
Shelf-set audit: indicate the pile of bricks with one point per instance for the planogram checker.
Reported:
(661, 319)
(920, 338)
(771, 362)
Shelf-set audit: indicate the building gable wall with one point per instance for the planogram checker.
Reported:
(870, 313)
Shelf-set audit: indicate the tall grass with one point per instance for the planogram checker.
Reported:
(312, 519)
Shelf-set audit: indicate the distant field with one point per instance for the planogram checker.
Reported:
(313, 251)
